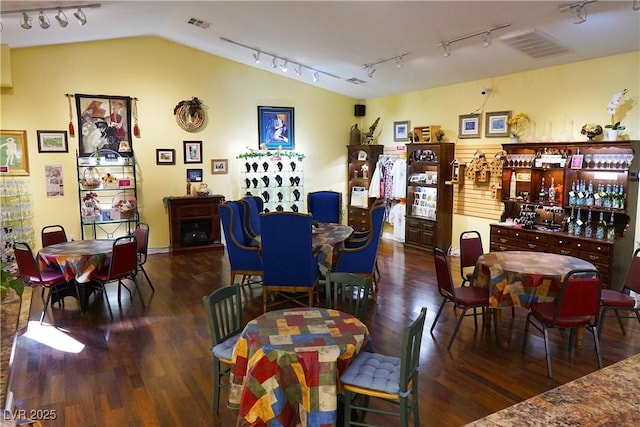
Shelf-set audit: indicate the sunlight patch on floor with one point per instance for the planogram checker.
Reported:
(53, 337)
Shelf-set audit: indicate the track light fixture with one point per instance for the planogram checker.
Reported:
(62, 19)
(581, 10)
(43, 20)
(80, 16)
(25, 21)
(635, 5)
(371, 67)
(446, 45)
(284, 62)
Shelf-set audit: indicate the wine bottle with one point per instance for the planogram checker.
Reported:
(588, 227)
(541, 194)
(571, 226)
(578, 224)
(611, 230)
(601, 228)
(552, 191)
(589, 200)
(572, 194)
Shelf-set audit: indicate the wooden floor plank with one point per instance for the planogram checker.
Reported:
(152, 366)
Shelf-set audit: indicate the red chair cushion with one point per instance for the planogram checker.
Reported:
(472, 296)
(544, 312)
(613, 298)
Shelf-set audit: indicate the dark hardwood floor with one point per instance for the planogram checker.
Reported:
(152, 367)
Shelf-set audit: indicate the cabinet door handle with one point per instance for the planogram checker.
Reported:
(564, 252)
(532, 246)
(594, 257)
(503, 240)
(503, 248)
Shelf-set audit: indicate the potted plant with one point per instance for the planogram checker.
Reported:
(9, 281)
(614, 127)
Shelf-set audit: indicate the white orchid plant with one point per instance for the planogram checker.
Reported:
(612, 107)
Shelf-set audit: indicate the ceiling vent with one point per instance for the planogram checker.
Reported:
(198, 23)
(536, 44)
(355, 81)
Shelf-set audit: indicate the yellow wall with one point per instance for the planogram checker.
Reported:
(161, 74)
(560, 97)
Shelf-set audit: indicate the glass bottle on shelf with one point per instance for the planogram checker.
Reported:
(578, 224)
(606, 202)
(611, 230)
(589, 199)
(552, 191)
(571, 225)
(572, 194)
(513, 186)
(601, 227)
(588, 227)
(598, 196)
(542, 193)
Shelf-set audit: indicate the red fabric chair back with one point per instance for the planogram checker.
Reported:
(52, 234)
(443, 274)
(632, 280)
(470, 248)
(141, 234)
(579, 296)
(124, 258)
(27, 264)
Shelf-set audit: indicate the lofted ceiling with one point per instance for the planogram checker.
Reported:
(338, 37)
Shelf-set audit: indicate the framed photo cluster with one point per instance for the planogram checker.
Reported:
(496, 125)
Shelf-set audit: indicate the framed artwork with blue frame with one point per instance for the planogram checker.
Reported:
(275, 128)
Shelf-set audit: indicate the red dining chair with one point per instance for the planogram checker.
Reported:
(52, 234)
(32, 275)
(470, 250)
(577, 305)
(465, 298)
(123, 265)
(617, 301)
(142, 238)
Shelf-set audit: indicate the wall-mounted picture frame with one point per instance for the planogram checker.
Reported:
(276, 128)
(104, 123)
(401, 131)
(469, 126)
(165, 156)
(194, 175)
(219, 166)
(192, 151)
(14, 153)
(496, 124)
(52, 141)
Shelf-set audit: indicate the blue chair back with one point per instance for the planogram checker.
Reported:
(287, 250)
(325, 206)
(252, 215)
(362, 259)
(242, 256)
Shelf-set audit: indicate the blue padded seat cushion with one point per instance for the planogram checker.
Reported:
(224, 350)
(374, 371)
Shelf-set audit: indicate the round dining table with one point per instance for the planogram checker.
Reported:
(327, 240)
(521, 278)
(78, 260)
(287, 364)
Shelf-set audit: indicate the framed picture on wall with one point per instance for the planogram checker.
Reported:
(219, 166)
(52, 141)
(194, 175)
(104, 123)
(14, 154)
(275, 128)
(401, 131)
(496, 124)
(469, 126)
(192, 151)
(165, 156)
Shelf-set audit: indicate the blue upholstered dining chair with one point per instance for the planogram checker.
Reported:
(243, 253)
(288, 262)
(325, 206)
(362, 258)
(251, 215)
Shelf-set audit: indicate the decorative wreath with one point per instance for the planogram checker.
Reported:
(189, 114)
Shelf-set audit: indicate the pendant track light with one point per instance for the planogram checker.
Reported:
(581, 10)
(80, 16)
(62, 19)
(43, 21)
(487, 35)
(280, 62)
(371, 67)
(487, 39)
(25, 22)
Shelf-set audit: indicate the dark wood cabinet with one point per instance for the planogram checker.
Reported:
(361, 163)
(429, 199)
(194, 223)
(544, 185)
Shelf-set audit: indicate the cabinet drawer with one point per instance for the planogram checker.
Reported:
(594, 247)
(497, 247)
(536, 237)
(413, 223)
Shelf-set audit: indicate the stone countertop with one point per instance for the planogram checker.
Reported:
(607, 396)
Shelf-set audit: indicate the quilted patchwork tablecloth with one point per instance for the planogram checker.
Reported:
(287, 364)
(520, 278)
